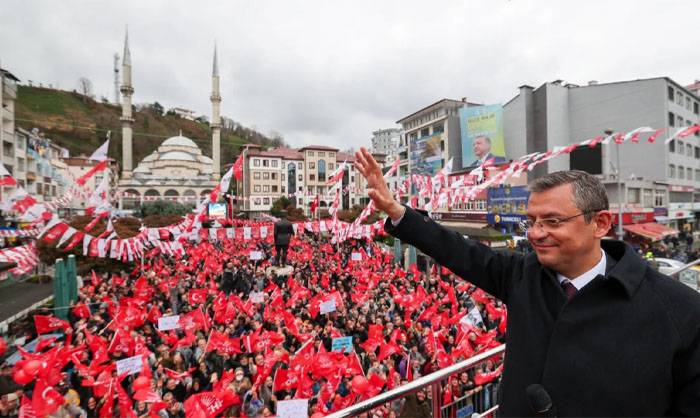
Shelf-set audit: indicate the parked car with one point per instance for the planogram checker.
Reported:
(691, 277)
(667, 265)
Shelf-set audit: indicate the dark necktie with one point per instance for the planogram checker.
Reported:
(569, 289)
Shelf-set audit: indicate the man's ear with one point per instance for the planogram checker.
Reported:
(603, 222)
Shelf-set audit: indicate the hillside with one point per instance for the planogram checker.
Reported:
(80, 124)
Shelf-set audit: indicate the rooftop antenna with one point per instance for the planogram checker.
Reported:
(116, 79)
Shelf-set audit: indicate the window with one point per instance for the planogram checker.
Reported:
(687, 103)
(696, 108)
(321, 170)
(697, 175)
(697, 152)
(266, 189)
(679, 98)
(671, 119)
(681, 147)
(689, 173)
(659, 198)
(332, 154)
(301, 178)
(647, 198)
(681, 172)
(331, 166)
(256, 162)
(256, 188)
(321, 153)
(257, 201)
(438, 128)
(312, 177)
(311, 153)
(671, 93)
(256, 175)
(266, 200)
(273, 189)
(38, 188)
(671, 171)
(273, 176)
(53, 190)
(689, 150)
(633, 195)
(273, 163)
(266, 176)
(20, 164)
(299, 166)
(672, 146)
(680, 122)
(312, 166)
(424, 132)
(20, 143)
(282, 189)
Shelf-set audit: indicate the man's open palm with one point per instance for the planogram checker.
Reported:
(377, 189)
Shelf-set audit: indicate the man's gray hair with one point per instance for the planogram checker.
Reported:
(589, 194)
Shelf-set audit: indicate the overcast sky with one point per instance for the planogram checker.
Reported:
(331, 72)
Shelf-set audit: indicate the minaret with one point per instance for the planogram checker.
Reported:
(127, 120)
(216, 120)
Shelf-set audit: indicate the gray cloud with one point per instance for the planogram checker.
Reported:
(331, 72)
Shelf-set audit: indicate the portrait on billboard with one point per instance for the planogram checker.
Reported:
(482, 135)
(426, 155)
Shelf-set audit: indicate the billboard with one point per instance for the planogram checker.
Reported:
(217, 210)
(482, 135)
(507, 205)
(426, 155)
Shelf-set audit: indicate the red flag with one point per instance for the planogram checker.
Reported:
(45, 324)
(81, 310)
(314, 205)
(178, 376)
(285, 379)
(238, 167)
(197, 296)
(26, 410)
(208, 404)
(46, 400)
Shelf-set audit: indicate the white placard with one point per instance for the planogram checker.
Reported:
(257, 297)
(293, 409)
(129, 365)
(247, 233)
(327, 307)
(263, 232)
(256, 255)
(356, 256)
(166, 323)
(230, 233)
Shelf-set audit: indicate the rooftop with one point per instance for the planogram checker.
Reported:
(318, 147)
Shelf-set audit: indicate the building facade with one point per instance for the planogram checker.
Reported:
(9, 154)
(656, 177)
(386, 141)
(300, 174)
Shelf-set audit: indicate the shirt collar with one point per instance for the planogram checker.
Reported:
(588, 276)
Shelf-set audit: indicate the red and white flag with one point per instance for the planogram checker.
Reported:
(6, 178)
(337, 175)
(100, 153)
(237, 168)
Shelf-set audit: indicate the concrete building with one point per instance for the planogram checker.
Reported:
(656, 177)
(8, 151)
(45, 173)
(694, 88)
(300, 174)
(386, 141)
(76, 167)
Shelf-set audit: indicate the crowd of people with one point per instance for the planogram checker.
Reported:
(250, 334)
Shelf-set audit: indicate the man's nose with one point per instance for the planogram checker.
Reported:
(535, 232)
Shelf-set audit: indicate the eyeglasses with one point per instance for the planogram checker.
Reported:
(549, 224)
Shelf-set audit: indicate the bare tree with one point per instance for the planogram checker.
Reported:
(85, 86)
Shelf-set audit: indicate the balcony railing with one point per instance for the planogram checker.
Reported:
(484, 398)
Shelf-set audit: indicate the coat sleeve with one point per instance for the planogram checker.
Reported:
(471, 260)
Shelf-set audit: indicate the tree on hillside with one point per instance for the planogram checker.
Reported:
(157, 109)
(85, 87)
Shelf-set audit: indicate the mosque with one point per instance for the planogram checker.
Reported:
(177, 169)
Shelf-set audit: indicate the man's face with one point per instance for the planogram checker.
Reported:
(563, 247)
(481, 146)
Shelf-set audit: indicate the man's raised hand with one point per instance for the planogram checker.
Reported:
(377, 189)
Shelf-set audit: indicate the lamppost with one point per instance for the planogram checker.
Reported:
(618, 175)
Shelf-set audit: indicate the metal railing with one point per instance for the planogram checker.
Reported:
(433, 380)
(679, 270)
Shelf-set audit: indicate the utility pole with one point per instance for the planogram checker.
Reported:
(620, 231)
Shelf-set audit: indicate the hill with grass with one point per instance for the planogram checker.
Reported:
(80, 123)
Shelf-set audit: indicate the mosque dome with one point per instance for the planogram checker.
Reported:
(177, 155)
(180, 141)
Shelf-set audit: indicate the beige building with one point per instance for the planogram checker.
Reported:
(9, 154)
(76, 167)
(300, 174)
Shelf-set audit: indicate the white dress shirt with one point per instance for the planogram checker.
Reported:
(586, 277)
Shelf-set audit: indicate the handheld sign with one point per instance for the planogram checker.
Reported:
(256, 255)
(327, 307)
(293, 409)
(356, 256)
(129, 365)
(166, 323)
(342, 344)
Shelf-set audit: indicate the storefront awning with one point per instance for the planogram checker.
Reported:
(651, 230)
